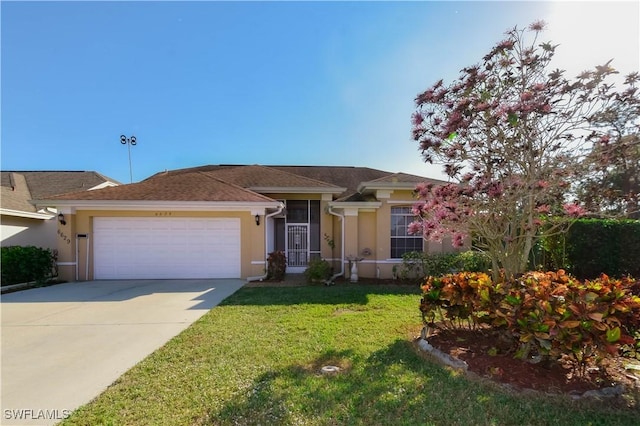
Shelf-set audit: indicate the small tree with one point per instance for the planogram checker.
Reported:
(612, 183)
(512, 137)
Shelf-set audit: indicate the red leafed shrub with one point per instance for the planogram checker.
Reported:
(544, 314)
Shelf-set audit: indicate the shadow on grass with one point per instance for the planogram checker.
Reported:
(353, 294)
(395, 385)
(364, 391)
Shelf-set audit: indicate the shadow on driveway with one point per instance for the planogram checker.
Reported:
(114, 291)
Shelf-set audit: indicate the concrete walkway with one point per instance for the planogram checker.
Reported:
(65, 344)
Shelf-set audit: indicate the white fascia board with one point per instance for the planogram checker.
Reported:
(28, 215)
(355, 204)
(164, 205)
(372, 186)
(403, 202)
(103, 185)
(295, 190)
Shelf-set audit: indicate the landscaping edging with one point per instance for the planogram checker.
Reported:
(458, 364)
(25, 286)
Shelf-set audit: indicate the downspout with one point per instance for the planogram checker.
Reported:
(77, 256)
(266, 243)
(341, 217)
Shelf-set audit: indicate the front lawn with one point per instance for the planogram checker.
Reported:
(255, 359)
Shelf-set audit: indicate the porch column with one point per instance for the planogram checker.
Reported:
(350, 236)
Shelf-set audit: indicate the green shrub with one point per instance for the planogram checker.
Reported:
(473, 261)
(594, 246)
(416, 266)
(317, 270)
(22, 264)
(276, 265)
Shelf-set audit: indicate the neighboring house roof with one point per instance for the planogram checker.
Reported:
(15, 193)
(46, 183)
(19, 187)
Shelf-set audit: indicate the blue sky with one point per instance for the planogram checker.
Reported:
(304, 83)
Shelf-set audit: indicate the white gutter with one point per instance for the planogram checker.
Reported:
(266, 243)
(29, 215)
(341, 273)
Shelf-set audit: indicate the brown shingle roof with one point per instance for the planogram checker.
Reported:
(401, 178)
(337, 176)
(263, 176)
(344, 176)
(194, 186)
(44, 184)
(15, 194)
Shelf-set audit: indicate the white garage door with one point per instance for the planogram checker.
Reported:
(139, 248)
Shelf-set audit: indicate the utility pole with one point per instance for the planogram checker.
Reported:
(128, 141)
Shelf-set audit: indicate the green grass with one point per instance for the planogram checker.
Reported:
(255, 359)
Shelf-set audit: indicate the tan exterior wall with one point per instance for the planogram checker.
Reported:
(367, 228)
(367, 241)
(371, 229)
(22, 231)
(67, 248)
(252, 239)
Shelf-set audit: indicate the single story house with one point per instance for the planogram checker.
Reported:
(22, 223)
(222, 221)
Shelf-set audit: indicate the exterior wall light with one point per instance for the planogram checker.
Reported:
(258, 220)
(61, 219)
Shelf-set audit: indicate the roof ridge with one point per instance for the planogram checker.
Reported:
(207, 175)
(273, 168)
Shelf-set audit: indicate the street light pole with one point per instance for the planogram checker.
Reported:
(128, 141)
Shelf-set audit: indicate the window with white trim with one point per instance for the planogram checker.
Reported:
(401, 241)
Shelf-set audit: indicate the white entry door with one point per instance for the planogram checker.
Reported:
(161, 247)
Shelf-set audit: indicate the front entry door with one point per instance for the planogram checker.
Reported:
(297, 247)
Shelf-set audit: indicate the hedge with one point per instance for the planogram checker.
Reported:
(22, 264)
(595, 246)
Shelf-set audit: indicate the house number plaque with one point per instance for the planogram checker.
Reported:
(64, 236)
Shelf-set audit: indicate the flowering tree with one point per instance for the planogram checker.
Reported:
(512, 137)
(612, 182)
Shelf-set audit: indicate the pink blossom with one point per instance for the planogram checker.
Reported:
(543, 208)
(414, 228)
(495, 190)
(542, 184)
(537, 25)
(574, 210)
(417, 119)
(506, 44)
(482, 106)
(458, 239)
(467, 177)
(423, 189)
(526, 96)
(418, 209)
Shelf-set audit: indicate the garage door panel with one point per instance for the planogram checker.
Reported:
(128, 248)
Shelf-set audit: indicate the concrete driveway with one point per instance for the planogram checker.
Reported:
(63, 345)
